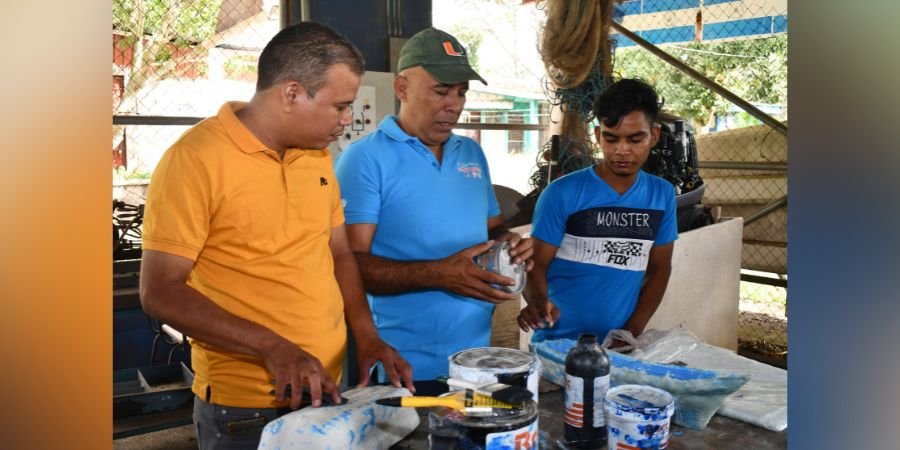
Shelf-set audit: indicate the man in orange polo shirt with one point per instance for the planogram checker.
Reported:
(245, 248)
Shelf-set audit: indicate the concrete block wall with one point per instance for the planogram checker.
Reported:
(741, 193)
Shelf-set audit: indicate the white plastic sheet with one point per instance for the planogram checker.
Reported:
(762, 401)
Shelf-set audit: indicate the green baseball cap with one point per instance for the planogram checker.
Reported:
(440, 54)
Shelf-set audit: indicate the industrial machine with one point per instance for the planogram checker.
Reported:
(673, 158)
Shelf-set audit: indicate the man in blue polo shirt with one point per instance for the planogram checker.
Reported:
(420, 206)
(604, 234)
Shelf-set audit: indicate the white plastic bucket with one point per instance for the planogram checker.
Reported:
(638, 417)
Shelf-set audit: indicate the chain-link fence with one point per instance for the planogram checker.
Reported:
(175, 62)
(741, 45)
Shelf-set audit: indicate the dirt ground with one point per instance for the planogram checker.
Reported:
(762, 329)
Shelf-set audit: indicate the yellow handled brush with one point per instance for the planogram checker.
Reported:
(463, 399)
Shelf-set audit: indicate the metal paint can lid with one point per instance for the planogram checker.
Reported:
(494, 359)
(639, 400)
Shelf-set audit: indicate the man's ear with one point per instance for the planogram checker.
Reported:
(401, 84)
(290, 92)
(654, 134)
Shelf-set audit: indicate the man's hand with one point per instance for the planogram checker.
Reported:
(460, 274)
(396, 367)
(290, 365)
(538, 315)
(520, 249)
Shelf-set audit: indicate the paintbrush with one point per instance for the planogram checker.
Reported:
(460, 402)
(506, 393)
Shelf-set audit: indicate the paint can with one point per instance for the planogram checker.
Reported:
(497, 260)
(485, 365)
(493, 429)
(638, 417)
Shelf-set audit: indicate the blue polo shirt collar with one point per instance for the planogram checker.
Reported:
(390, 127)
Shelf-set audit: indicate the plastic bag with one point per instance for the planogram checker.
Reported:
(698, 393)
(359, 424)
(762, 401)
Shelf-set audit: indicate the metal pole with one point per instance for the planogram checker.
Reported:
(756, 112)
(780, 282)
(735, 165)
(293, 11)
(765, 210)
(155, 120)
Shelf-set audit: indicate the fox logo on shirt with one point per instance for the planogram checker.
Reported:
(323, 181)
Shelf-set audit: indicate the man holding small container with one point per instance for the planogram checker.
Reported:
(420, 207)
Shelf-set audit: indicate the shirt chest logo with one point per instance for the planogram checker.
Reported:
(469, 170)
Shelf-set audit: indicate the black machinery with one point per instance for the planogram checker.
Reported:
(126, 228)
(673, 158)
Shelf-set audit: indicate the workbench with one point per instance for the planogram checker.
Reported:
(722, 433)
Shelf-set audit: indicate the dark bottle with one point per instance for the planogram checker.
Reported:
(587, 380)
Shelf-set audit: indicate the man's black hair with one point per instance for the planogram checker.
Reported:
(623, 97)
(303, 52)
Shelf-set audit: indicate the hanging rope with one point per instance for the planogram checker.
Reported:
(571, 39)
(574, 47)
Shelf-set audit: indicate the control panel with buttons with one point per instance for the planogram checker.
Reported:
(362, 117)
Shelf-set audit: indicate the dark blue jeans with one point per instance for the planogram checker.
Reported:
(230, 428)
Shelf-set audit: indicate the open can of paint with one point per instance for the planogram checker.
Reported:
(485, 365)
(638, 417)
(497, 260)
(493, 429)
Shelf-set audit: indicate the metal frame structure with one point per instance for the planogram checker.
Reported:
(730, 96)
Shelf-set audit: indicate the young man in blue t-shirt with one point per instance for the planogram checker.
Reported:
(603, 236)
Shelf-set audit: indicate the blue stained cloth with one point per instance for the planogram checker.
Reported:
(604, 241)
(424, 210)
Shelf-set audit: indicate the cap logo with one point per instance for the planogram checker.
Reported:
(448, 48)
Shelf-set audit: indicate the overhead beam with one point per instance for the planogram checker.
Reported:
(702, 79)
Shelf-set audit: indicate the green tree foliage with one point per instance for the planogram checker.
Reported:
(151, 29)
(753, 69)
(183, 21)
(471, 39)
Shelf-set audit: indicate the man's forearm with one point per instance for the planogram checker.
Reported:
(356, 309)
(382, 276)
(189, 311)
(536, 285)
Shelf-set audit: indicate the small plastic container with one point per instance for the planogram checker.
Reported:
(497, 260)
(638, 417)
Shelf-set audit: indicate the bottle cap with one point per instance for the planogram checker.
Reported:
(587, 338)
